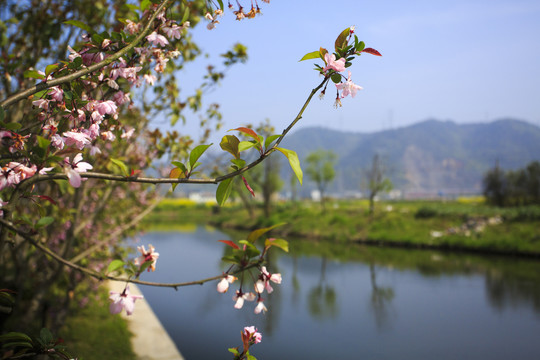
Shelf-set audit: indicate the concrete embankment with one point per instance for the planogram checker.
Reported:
(150, 340)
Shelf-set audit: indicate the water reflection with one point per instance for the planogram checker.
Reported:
(381, 300)
(347, 301)
(322, 297)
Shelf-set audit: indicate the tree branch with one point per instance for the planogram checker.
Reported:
(101, 276)
(21, 95)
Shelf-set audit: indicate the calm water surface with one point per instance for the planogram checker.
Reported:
(351, 302)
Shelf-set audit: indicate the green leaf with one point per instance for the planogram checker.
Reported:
(114, 266)
(269, 140)
(234, 351)
(231, 259)
(253, 251)
(360, 46)
(224, 191)
(238, 163)
(76, 63)
(12, 126)
(51, 68)
(196, 154)
(121, 165)
(341, 40)
(255, 234)
(186, 13)
(293, 161)
(280, 243)
(42, 142)
(79, 24)
(245, 145)
(46, 336)
(97, 39)
(311, 55)
(44, 221)
(15, 336)
(336, 78)
(230, 143)
(33, 74)
(145, 4)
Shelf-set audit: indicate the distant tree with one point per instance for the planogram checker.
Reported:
(495, 186)
(376, 180)
(320, 169)
(266, 179)
(513, 188)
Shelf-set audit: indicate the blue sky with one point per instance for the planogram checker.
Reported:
(466, 61)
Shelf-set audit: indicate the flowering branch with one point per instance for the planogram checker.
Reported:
(101, 276)
(108, 60)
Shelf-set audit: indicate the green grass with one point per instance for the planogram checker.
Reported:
(92, 333)
(402, 223)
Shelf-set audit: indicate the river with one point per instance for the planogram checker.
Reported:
(351, 302)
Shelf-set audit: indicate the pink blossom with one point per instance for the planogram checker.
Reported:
(57, 94)
(264, 281)
(74, 168)
(73, 54)
(93, 131)
(41, 103)
(24, 171)
(9, 177)
(348, 87)
(150, 79)
(332, 63)
(106, 107)
(132, 27)
(157, 39)
(127, 134)
(57, 141)
(223, 285)
(80, 140)
(120, 97)
(108, 135)
(260, 307)
(240, 297)
(252, 334)
(123, 300)
(173, 32)
(147, 256)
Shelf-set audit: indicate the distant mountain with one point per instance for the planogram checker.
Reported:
(428, 157)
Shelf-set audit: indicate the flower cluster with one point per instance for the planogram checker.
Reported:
(240, 13)
(250, 336)
(337, 62)
(123, 300)
(147, 257)
(261, 284)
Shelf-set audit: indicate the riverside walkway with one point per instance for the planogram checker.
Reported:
(150, 341)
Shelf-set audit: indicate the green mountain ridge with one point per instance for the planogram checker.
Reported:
(429, 157)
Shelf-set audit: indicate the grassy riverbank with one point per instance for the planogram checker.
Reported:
(92, 333)
(466, 224)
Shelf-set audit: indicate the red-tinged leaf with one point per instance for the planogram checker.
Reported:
(45, 197)
(248, 132)
(372, 51)
(248, 187)
(230, 243)
(322, 52)
(341, 40)
(135, 173)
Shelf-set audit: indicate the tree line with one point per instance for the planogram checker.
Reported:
(513, 187)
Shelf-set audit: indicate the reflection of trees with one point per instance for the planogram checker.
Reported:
(322, 298)
(504, 290)
(381, 299)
